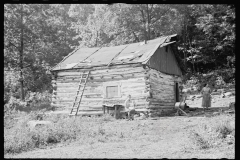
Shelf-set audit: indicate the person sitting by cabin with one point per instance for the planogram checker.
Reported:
(130, 107)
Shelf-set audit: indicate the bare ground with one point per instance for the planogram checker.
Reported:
(164, 137)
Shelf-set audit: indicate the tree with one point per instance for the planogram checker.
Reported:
(118, 24)
(15, 35)
(36, 43)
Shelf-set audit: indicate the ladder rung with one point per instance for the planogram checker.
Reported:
(78, 98)
(73, 112)
(76, 102)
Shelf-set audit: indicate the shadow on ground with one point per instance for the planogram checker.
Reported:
(198, 112)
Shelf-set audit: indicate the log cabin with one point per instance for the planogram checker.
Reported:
(148, 71)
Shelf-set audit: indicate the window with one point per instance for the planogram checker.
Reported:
(112, 90)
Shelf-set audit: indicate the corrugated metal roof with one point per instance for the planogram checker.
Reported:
(130, 53)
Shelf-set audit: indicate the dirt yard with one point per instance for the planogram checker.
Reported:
(162, 137)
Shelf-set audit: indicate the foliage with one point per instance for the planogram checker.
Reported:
(22, 138)
(35, 101)
(12, 104)
(46, 40)
(206, 39)
(118, 24)
(10, 84)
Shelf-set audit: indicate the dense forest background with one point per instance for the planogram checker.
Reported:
(38, 36)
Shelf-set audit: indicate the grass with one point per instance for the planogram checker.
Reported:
(215, 132)
(18, 137)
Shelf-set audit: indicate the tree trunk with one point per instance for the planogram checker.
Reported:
(148, 22)
(21, 57)
(97, 39)
(136, 38)
(189, 42)
(193, 63)
(145, 28)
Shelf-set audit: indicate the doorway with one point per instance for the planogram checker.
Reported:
(176, 92)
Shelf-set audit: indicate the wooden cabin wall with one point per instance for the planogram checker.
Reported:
(162, 89)
(164, 60)
(131, 78)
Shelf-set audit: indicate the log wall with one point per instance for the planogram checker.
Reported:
(130, 77)
(162, 89)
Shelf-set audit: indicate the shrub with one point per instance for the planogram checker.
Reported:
(21, 138)
(224, 128)
(10, 84)
(12, 105)
(38, 100)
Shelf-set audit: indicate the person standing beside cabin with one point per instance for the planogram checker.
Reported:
(130, 107)
(206, 94)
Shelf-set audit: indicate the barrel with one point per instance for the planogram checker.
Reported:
(181, 105)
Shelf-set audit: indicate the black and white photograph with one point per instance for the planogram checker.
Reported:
(119, 81)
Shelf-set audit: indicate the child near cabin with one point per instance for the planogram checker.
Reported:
(130, 107)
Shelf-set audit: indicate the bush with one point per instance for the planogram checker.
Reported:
(10, 84)
(224, 128)
(22, 138)
(12, 105)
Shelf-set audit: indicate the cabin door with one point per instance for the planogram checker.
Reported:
(176, 92)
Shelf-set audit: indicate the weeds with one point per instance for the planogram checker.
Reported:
(200, 141)
(107, 118)
(214, 132)
(20, 137)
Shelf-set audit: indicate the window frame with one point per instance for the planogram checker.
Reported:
(109, 84)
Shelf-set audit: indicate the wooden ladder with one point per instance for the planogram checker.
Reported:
(78, 98)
